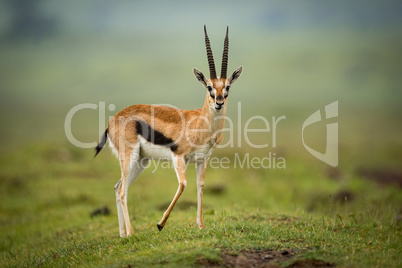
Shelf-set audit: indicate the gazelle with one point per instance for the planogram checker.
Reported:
(143, 132)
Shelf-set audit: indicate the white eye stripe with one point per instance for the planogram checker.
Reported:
(212, 92)
(211, 89)
(225, 92)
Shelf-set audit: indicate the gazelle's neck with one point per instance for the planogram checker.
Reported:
(213, 117)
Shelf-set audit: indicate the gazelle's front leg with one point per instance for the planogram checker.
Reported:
(201, 167)
(180, 168)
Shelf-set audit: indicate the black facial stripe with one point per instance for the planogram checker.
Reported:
(154, 136)
(227, 92)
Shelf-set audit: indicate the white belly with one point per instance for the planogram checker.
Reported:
(152, 151)
(157, 152)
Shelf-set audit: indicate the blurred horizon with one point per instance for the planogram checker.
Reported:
(297, 58)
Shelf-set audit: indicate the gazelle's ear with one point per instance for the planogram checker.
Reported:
(236, 74)
(200, 77)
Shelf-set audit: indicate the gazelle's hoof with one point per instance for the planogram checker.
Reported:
(160, 227)
(130, 233)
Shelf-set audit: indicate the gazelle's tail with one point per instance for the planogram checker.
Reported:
(102, 143)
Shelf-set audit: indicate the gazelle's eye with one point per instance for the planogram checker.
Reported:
(210, 92)
(227, 91)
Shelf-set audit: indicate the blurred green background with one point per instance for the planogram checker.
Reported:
(297, 58)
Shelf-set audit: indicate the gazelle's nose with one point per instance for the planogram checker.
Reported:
(220, 101)
(219, 104)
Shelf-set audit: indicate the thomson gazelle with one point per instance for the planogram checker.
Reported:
(143, 132)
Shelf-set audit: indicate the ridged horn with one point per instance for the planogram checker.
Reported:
(211, 62)
(224, 69)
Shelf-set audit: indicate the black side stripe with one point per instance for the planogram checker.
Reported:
(154, 136)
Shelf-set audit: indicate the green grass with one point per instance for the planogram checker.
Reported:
(48, 192)
(48, 189)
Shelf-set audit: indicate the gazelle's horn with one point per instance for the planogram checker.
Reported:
(211, 63)
(224, 69)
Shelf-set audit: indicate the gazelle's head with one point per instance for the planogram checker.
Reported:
(218, 87)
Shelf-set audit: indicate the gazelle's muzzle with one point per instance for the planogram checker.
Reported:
(219, 102)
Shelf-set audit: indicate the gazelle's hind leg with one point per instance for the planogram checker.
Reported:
(122, 225)
(131, 167)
